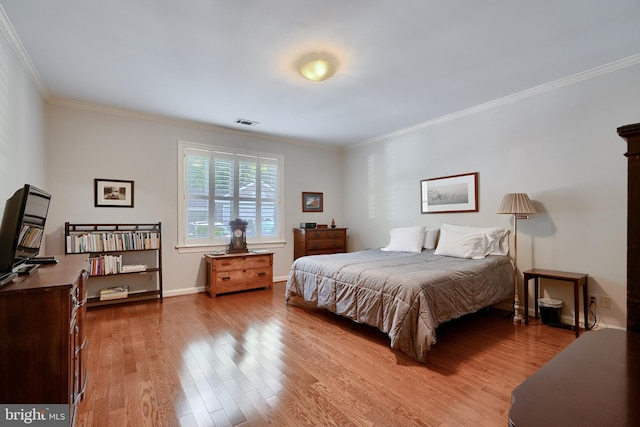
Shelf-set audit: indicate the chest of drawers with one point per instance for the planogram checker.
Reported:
(238, 272)
(318, 241)
(43, 342)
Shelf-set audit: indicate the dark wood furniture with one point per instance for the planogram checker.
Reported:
(595, 381)
(238, 272)
(43, 344)
(579, 280)
(318, 241)
(138, 244)
(631, 133)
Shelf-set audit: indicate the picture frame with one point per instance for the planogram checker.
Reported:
(455, 193)
(312, 202)
(114, 193)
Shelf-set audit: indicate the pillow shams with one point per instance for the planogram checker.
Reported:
(472, 242)
(462, 245)
(431, 238)
(498, 238)
(405, 239)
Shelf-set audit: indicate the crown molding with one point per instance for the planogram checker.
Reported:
(78, 105)
(6, 28)
(527, 93)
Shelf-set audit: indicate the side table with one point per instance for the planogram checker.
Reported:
(578, 279)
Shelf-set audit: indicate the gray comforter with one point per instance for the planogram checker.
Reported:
(405, 295)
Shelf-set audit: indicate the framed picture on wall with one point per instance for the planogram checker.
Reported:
(456, 193)
(113, 193)
(311, 202)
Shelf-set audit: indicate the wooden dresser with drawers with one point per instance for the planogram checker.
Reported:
(238, 272)
(319, 241)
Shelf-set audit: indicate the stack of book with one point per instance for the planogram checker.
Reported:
(114, 293)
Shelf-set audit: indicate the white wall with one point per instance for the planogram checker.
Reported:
(84, 145)
(560, 146)
(22, 132)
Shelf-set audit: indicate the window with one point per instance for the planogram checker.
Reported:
(219, 185)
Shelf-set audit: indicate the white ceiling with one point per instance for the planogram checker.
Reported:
(402, 62)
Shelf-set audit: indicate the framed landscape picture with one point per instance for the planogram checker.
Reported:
(113, 193)
(311, 202)
(456, 193)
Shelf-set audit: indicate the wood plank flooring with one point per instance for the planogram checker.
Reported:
(250, 359)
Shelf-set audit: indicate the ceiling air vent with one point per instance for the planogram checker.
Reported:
(245, 122)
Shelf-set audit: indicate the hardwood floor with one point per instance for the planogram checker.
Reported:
(250, 359)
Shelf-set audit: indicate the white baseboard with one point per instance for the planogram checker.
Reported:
(183, 291)
(198, 289)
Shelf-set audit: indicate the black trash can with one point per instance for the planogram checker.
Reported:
(550, 310)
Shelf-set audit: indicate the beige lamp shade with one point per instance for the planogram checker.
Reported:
(516, 203)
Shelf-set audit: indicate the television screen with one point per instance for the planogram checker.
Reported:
(22, 228)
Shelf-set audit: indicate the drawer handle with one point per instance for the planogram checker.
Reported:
(226, 278)
(316, 235)
(262, 274)
(316, 246)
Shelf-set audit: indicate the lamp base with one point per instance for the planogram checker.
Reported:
(517, 317)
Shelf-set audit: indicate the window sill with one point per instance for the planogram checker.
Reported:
(213, 248)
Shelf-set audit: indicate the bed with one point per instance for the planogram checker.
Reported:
(405, 294)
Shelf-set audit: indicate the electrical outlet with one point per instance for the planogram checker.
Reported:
(605, 302)
(593, 301)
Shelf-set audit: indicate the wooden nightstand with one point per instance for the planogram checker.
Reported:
(578, 280)
(238, 272)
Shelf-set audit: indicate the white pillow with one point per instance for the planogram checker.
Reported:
(405, 239)
(462, 245)
(498, 238)
(431, 238)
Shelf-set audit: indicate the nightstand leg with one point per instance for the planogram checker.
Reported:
(576, 302)
(526, 300)
(585, 302)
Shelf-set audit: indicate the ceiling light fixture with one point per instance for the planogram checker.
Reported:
(318, 67)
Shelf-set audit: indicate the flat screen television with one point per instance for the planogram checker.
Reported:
(22, 227)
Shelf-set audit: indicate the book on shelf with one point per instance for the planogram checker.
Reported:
(131, 268)
(84, 241)
(117, 292)
(105, 264)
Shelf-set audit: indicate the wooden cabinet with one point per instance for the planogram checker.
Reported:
(318, 241)
(43, 344)
(238, 272)
(631, 134)
(556, 395)
(119, 255)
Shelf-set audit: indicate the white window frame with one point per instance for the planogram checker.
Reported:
(192, 245)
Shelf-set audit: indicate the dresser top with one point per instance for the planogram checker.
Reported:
(320, 228)
(226, 255)
(64, 273)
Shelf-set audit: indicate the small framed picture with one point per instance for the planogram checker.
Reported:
(311, 202)
(113, 193)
